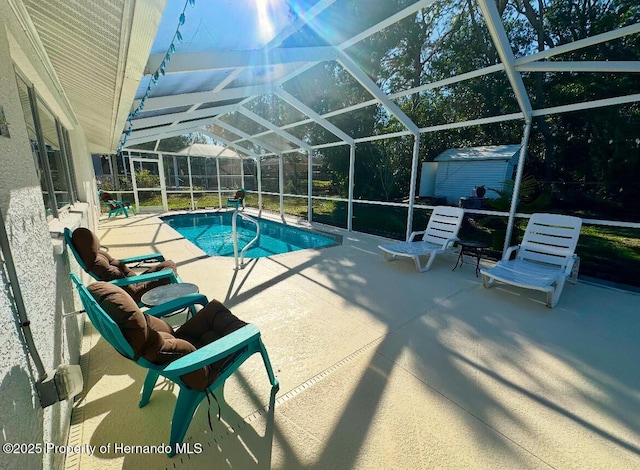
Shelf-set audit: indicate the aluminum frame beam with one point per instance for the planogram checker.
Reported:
(155, 133)
(584, 66)
(501, 42)
(315, 117)
(515, 196)
(177, 118)
(581, 44)
(245, 136)
(174, 101)
(239, 149)
(588, 105)
(186, 62)
(410, 10)
(269, 125)
(369, 85)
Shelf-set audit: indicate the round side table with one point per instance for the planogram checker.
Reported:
(162, 294)
(472, 248)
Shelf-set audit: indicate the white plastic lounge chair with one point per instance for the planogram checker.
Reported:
(545, 258)
(440, 235)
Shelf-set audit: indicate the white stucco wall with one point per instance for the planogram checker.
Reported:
(41, 264)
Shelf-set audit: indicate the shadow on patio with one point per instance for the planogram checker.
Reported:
(382, 367)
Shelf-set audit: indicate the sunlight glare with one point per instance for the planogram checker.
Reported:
(266, 28)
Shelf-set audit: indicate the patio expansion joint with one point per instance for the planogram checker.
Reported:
(234, 427)
(390, 333)
(328, 371)
(76, 427)
(347, 359)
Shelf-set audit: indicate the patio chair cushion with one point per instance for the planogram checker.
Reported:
(98, 261)
(108, 199)
(86, 244)
(240, 194)
(106, 196)
(150, 337)
(137, 290)
(107, 268)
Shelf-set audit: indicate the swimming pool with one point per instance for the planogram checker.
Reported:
(211, 232)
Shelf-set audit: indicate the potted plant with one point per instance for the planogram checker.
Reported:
(530, 200)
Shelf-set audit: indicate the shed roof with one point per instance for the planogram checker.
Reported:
(487, 152)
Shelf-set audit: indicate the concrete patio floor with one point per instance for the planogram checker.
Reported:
(380, 367)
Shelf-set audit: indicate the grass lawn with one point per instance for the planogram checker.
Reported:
(611, 254)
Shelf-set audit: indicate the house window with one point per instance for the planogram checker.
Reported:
(71, 172)
(51, 151)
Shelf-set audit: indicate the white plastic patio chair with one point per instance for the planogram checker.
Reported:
(545, 258)
(440, 235)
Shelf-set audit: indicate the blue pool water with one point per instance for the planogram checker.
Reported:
(211, 232)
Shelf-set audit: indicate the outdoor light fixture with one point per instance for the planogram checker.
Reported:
(66, 383)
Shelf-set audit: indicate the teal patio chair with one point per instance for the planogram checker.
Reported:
(237, 199)
(133, 260)
(239, 346)
(143, 281)
(114, 206)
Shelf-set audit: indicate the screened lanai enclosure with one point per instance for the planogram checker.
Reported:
(357, 117)
(329, 108)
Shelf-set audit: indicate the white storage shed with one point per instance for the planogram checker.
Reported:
(461, 170)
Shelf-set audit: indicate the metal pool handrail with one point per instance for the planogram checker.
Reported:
(234, 229)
